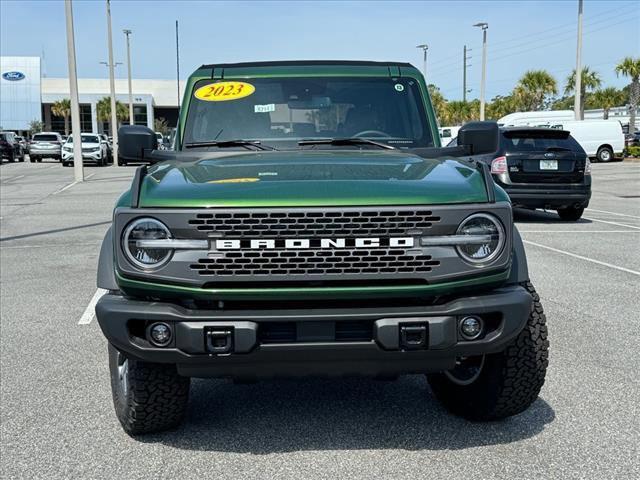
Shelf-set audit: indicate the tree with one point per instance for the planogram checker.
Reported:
(606, 98)
(459, 112)
(439, 103)
(630, 67)
(103, 112)
(589, 82)
(161, 125)
(534, 90)
(500, 106)
(35, 126)
(62, 108)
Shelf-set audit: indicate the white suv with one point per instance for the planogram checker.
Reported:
(93, 149)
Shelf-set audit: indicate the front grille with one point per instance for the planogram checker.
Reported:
(315, 262)
(315, 223)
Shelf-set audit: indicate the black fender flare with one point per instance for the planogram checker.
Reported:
(106, 270)
(519, 269)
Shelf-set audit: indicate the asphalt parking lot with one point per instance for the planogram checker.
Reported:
(57, 418)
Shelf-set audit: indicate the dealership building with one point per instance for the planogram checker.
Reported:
(26, 95)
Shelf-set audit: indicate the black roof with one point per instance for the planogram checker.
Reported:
(301, 63)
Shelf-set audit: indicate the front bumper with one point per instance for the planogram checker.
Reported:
(94, 156)
(45, 152)
(550, 196)
(314, 351)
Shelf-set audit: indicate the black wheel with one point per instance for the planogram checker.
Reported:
(12, 157)
(496, 386)
(32, 159)
(570, 214)
(65, 164)
(148, 397)
(122, 162)
(605, 154)
(39, 159)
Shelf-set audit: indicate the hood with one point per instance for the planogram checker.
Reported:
(309, 178)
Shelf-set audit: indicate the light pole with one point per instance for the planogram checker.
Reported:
(127, 33)
(78, 169)
(577, 107)
(178, 65)
(424, 48)
(112, 85)
(484, 26)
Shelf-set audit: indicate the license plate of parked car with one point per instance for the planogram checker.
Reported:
(548, 164)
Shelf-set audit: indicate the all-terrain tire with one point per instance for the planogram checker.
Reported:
(155, 397)
(509, 381)
(570, 214)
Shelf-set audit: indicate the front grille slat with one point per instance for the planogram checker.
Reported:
(317, 263)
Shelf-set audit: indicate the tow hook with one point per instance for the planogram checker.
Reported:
(413, 337)
(219, 340)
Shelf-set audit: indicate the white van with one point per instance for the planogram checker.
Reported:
(601, 139)
(447, 134)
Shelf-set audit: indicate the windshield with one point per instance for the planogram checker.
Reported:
(45, 138)
(284, 111)
(86, 139)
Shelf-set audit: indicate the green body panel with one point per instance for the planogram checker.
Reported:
(135, 287)
(311, 178)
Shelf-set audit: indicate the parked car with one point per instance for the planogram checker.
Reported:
(448, 133)
(352, 246)
(45, 145)
(93, 149)
(160, 138)
(23, 143)
(10, 147)
(105, 139)
(603, 140)
(632, 139)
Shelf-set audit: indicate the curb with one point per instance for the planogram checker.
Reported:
(631, 159)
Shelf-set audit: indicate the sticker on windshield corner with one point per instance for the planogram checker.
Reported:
(399, 87)
(270, 107)
(224, 91)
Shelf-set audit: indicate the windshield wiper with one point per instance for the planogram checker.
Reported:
(345, 141)
(231, 143)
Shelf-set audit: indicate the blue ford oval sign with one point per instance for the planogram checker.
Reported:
(13, 76)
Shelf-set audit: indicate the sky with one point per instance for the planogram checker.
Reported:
(522, 35)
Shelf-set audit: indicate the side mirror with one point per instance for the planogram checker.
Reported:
(480, 137)
(133, 140)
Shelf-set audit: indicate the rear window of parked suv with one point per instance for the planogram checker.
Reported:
(45, 138)
(538, 142)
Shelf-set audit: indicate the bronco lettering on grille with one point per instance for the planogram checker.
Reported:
(315, 243)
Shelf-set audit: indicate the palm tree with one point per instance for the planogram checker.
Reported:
(630, 67)
(607, 98)
(62, 108)
(534, 89)
(589, 82)
(103, 112)
(439, 103)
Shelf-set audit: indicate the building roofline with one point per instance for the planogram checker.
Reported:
(302, 63)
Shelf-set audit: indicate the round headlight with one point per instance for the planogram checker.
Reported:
(486, 238)
(146, 229)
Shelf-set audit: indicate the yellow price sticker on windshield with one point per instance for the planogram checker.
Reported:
(223, 91)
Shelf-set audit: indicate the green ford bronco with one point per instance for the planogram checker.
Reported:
(308, 222)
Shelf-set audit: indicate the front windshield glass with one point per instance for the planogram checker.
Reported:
(284, 111)
(86, 139)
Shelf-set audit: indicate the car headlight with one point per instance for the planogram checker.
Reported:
(133, 239)
(67, 149)
(94, 149)
(489, 238)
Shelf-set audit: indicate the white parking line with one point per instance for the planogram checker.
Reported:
(64, 188)
(11, 179)
(89, 312)
(611, 213)
(598, 262)
(611, 223)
